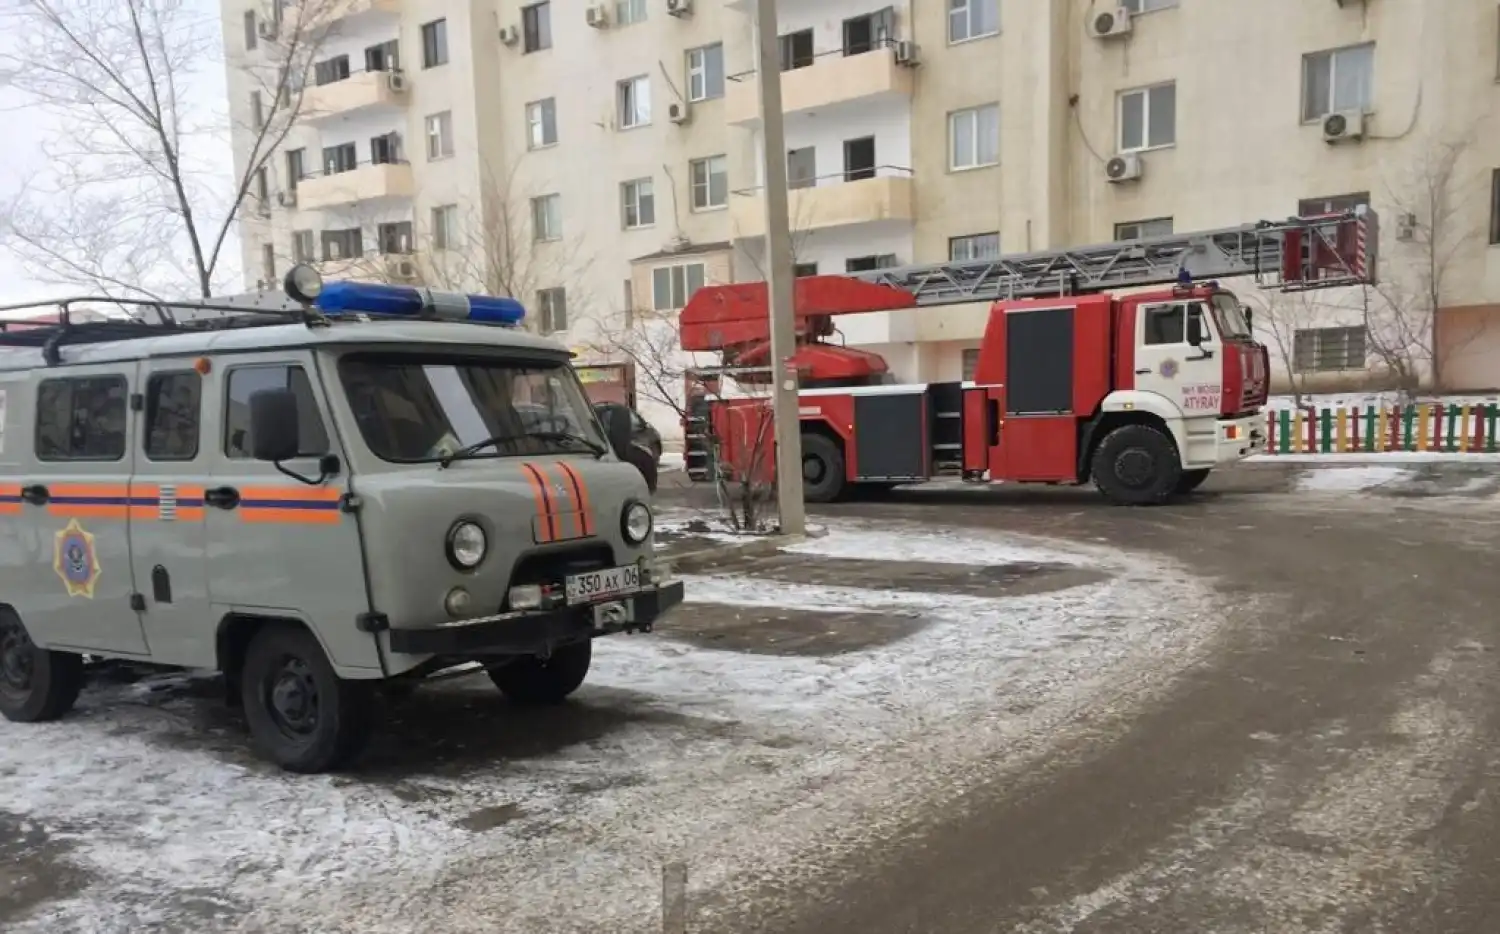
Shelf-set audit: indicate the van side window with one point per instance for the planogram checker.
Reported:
(81, 419)
(172, 415)
(248, 380)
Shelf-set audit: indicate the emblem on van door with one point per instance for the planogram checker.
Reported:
(75, 559)
(1168, 368)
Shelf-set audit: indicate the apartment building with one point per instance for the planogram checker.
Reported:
(601, 161)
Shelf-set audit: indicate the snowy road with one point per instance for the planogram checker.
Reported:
(785, 720)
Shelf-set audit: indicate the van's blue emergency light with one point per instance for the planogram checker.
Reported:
(400, 301)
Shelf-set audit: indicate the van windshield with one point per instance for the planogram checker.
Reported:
(413, 408)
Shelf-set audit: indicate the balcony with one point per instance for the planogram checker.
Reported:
(319, 13)
(376, 182)
(372, 267)
(365, 90)
(833, 78)
(830, 202)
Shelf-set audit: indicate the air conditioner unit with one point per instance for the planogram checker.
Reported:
(906, 53)
(1126, 167)
(679, 113)
(287, 198)
(596, 16)
(510, 35)
(1110, 24)
(1406, 227)
(1343, 126)
(680, 7)
(266, 29)
(396, 81)
(403, 269)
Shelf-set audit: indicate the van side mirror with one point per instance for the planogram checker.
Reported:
(274, 432)
(616, 421)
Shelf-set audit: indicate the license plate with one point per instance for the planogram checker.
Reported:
(599, 585)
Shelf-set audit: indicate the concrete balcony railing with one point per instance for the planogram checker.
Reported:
(365, 90)
(831, 79)
(377, 182)
(830, 202)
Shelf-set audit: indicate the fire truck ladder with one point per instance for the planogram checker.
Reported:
(1298, 254)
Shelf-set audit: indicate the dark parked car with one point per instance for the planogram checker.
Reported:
(646, 450)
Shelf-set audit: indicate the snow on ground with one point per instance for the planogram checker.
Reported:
(1350, 479)
(671, 460)
(1381, 457)
(749, 767)
(1369, 399)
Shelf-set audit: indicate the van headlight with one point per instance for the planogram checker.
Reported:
(635, 522)
(466, 545)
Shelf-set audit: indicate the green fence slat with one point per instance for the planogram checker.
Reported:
(1408, 420)
(1325, 428)
(1370, 428)
(1284, 433)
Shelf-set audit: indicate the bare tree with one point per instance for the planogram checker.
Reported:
(1285, 314)
(130, 198)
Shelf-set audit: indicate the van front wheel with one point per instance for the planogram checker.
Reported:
(302, 715)
(36, 685)
(533, 680)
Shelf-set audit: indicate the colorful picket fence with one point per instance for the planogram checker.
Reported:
(1426, 427)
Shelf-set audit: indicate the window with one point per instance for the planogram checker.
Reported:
(800, 270)
(383, 57)
(797, 50)
(552, 309)
(709, 179)
(1338, 80)
(628, 12)
(263, 186)
(385, 149)
(340, 158)
(343, 244)
(296, 167)
(245, 382)
(536, 27)
(871, 31)
(859, 158)
(252, 39)
(541, 123)
(1147, 6)
(802, 167)
(172, 415)
(1167, 324)
(705, 72)
(394, 238)
(970, 363)
(974, 137)
(638, 203)
(634, 102)
(1148, 118)
(974, 247)
(440, 135)
(268, 264)
(257, 111)
(331, 70)
(1135, 230)
(971, 19)
(546, 217)
(435, 43)
(302, 246)
(445, 227)
(1320, 350)
(672, 286)
(1495, 207)
(81, 419)
(870, 263)
(1332, 204)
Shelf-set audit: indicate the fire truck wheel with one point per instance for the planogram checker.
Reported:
(36, 685)
(1136, 465)
(822, 469)
(531, 680)
(1190, 481)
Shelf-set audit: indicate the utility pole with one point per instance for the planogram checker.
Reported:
(778, 272)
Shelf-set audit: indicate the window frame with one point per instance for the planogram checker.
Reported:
(536, 27)
(442, 121)
(626, 90)
(953, 242)
(118, 379)
(1332, 55)
(147, 413)
(633, 185)
(675, 271)
(435, 53)
(312, 392)
(444, 220)
(638, 12)
(967, 9)
(973, 113)
(1495, 207)
(1121, 227)
(1145, 93)
(536, 120)
(700, 72)
(548, 208)
(707, 187)
(1347, 361)
(546, 309)
(1142, 7)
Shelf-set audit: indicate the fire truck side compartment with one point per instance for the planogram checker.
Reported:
(890, 436)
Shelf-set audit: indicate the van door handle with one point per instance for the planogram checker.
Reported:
(36, 494)
(224, 497)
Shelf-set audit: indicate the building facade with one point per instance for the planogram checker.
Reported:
(601, 161)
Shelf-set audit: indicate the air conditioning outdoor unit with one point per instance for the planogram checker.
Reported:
(510, 35)
(679, 113)
(596, 16)
(287, 197)
(1110, 24)
(396, 81)
(1344, 126)
(906, 53)
(403, 269)
(1126, 167)
(680, 7)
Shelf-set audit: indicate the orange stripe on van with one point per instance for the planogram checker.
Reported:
(291, 505)
(11, 503)
(89, 500)
(546, 522)
(580, 498)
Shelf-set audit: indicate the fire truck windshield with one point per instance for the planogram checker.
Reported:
(1229, 317)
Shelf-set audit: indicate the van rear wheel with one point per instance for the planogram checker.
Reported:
(532, 680)
(302, 715)
(36, 684)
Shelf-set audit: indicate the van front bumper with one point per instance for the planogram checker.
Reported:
(533, 632)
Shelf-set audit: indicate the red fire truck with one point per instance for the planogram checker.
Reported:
(1142, 393)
